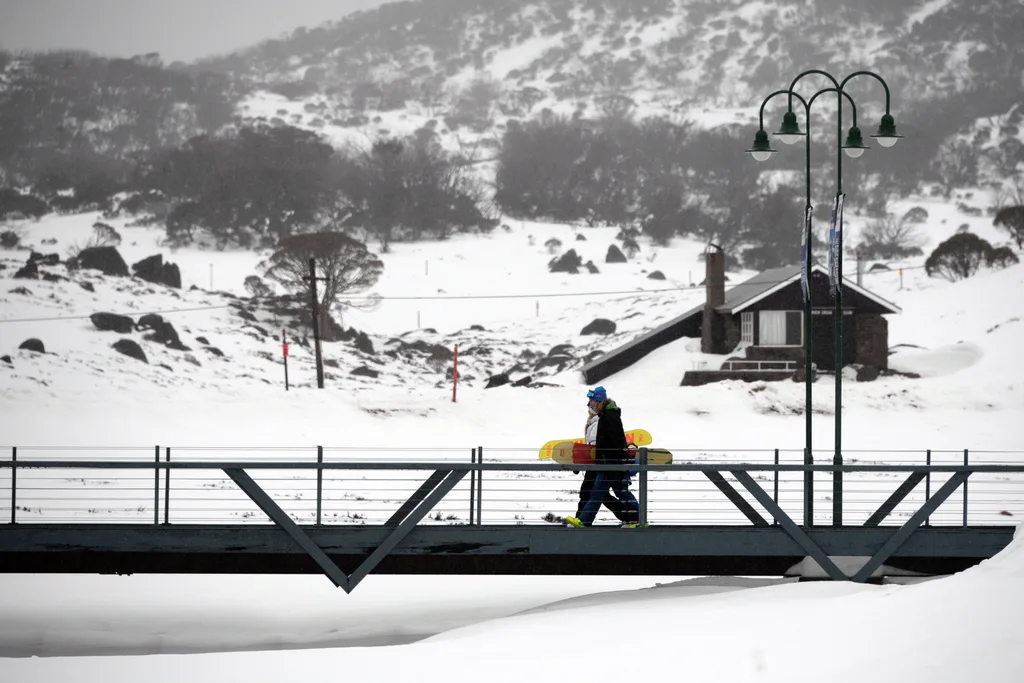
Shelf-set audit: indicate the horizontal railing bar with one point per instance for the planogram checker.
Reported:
(496, 466)
(511, 449)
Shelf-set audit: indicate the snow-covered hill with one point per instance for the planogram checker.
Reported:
(471, 66)
(673, 55)
(492, 295)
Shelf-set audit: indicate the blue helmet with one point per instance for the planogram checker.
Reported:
(597, 394)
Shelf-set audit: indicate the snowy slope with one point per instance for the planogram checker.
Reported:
(943, 631)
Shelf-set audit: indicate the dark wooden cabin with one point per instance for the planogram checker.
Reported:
(763, 319)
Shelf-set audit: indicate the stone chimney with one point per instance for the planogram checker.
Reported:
(712, 327)
(714, 275)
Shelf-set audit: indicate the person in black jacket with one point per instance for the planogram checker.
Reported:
(614, 505)
(610, 449)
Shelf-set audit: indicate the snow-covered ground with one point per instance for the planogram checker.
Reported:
(949, 630)
(962, 338)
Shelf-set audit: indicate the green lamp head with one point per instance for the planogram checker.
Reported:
(761, 149)
(854, 143)
(789, 131)
(886, 134)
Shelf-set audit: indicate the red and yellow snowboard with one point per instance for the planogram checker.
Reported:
(640, 437)
(572, 453)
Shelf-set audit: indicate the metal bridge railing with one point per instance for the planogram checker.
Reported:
(498, 486)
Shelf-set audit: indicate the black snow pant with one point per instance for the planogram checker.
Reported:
(614, 505)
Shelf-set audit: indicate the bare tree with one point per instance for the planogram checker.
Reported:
(345, 262)
(891, 237)
(957, 165)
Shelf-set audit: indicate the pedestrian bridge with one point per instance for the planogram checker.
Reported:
(348, 512)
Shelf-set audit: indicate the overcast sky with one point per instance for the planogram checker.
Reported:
(178, 29)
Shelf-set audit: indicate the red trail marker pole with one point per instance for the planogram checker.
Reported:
(284, 353)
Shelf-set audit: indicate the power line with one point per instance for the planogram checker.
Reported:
(86, 317)
(517, 296)
(455, 297)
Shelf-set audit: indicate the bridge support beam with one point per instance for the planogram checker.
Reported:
(787, 523)
(895, 499)
(904, 532)
(408, 516)
(733, 495)
(288, 525)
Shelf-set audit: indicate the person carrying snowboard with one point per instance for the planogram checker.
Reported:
(614, 505)
(605, 432)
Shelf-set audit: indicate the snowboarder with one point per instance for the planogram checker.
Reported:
(604, 431)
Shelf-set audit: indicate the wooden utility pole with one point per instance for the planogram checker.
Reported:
(455, 373)
(315, 311)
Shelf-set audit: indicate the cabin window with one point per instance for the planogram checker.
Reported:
(781, 328)
(747, 327)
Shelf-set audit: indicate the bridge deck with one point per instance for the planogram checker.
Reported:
(460, 549)
(764, 539)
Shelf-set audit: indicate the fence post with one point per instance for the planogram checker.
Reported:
(472, 486)
(479, 487)
(928, 484)
(156, 485)
(643, 487)
(319, 483)
(837, 490)
(965, 490)
(808, 489)
(167, 487)
(14, 485)
(775, 520)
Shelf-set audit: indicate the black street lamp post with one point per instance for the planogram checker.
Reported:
(789, 133)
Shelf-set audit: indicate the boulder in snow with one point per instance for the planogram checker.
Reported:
(131, 349)
(112, 322)
(600, 326)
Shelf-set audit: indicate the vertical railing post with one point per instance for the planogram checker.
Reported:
(808, 489)
(775, 497)
(167, 487)
(319, 483)
(480, 487)
(643, 487)
(14, 484)
(965, 490)
(928, 483)
(837, 490)
(472, 486)
(156, 485)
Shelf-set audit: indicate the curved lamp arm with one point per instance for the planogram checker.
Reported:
(807, 73)
(877, 77)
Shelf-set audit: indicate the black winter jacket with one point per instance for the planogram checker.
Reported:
(611, 438)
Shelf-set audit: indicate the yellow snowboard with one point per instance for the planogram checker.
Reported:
(640, 437)
(569, 453)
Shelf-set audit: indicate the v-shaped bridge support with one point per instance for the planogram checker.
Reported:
(408, 516)
(887, 549)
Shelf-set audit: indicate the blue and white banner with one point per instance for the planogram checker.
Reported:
(805, 259)
(835, 236)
